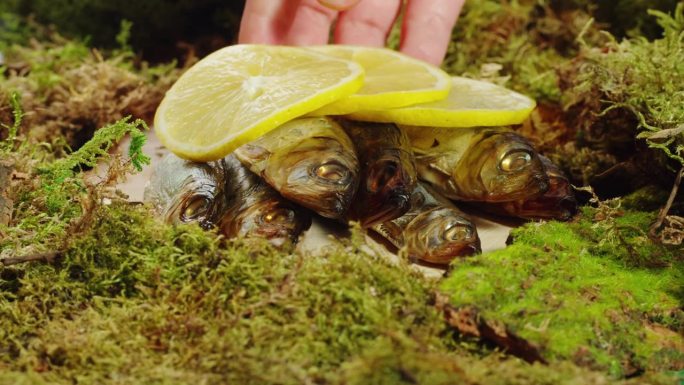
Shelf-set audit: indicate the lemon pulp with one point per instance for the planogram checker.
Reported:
(241, 92)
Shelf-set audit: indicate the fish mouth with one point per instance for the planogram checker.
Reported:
(387, 192)
(557, 203)
(393, 208)
(536, 185)
(447, 252)
(464, 245)
(567, 208)
(331, 203)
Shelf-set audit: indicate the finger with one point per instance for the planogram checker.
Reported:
(368, 23)
(310, 24)
(427, 28)
(266, 21)
(338, 5)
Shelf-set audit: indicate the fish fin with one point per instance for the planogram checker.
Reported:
(437, 163)
(253, 156)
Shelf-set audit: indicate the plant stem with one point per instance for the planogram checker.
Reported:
(663, 212)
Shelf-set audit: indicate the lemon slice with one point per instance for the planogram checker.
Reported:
(241, 92)
(392, 80)
(470, 103)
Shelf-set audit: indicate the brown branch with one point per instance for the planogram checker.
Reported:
(44, 257)
(468, 322)
(663, 212)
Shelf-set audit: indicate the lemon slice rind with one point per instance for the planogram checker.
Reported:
(435, 87)
(470, 103)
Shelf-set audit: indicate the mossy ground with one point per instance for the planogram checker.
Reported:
(107, 294)
(69, 89)
(596, 291)
(131, 300)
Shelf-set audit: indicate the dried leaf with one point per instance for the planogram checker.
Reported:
(667, 133)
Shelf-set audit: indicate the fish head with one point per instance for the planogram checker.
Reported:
(278, 221)
(320, 173)
(185, 192)
(388, 186)
(501, 166)
(558, 202)
(441, 234)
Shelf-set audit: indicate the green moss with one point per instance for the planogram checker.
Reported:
(133, 300)
(54, 196)
(630, 17)
(71, 90)
(518, 44)
(590, 291)
(640, 77)
(204, 21)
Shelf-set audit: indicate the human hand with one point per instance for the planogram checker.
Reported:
(425, 34)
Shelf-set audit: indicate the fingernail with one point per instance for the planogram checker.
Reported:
(338, 5)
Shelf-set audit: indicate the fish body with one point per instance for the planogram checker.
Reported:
(433, 230)
(558, 202)
(388, 171)
(310, 161)
(226, 195)
(478, 164)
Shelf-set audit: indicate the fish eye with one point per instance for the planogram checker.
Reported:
(515, 161)
(457, 232)
(333, 172)
(197, 207)
(278, 216)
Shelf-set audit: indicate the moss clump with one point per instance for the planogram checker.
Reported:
(52, 200)
(629, 89)
(629, 17)
(596, 291)
(517, 44)
(71, 90)
(158, 25)
(595, 93)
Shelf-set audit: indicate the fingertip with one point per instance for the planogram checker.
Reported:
(368, 23)
(427, 27)
(311, 24)
(264, 21)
